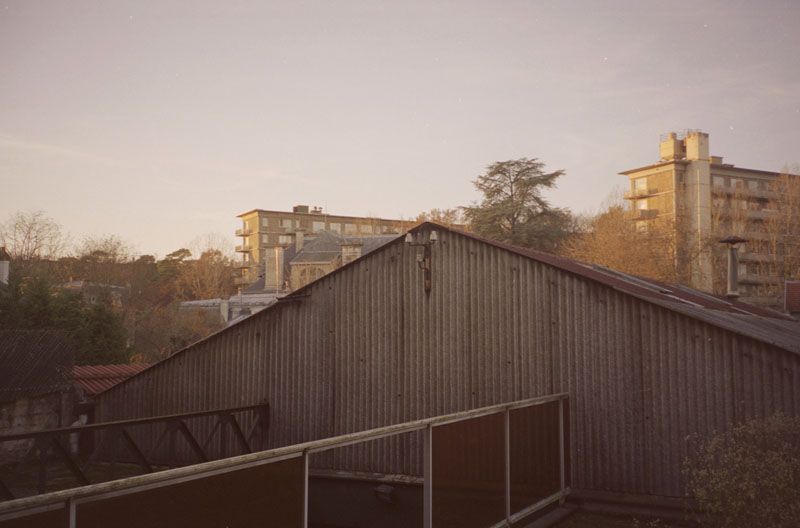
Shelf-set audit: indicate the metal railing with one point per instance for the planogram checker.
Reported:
(67, 504)
(54, 446)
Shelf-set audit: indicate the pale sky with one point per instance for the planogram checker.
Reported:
(161, 121)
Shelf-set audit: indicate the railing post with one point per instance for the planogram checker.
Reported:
(72, 518)
(507, 439)
(427, 471)
(305, 489)
(561, 447)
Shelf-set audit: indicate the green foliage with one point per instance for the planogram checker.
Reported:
(96, 330)
(749, 476)
(513, 209)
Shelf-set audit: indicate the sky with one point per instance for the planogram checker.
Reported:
(161, 121)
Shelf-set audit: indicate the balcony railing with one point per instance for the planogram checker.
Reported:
(640, 193)
(744, 192)
(492, 466)
(642, 214)
(243, 249)
(244, 232)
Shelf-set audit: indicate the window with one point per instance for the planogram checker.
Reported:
(640, 184)
(350, 229)
(288, 223)
(284, 239)
(336, 228)
(641, 205)
(752, 184)
(265, 239)
(316, 227)
(719, 181)
(366, 228)
(264, 222)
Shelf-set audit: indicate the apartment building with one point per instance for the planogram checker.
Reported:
(698, 199)
(266, 234)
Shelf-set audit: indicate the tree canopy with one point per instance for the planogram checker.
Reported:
(514, 209)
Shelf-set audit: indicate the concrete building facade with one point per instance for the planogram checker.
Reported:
(265, 234)
(699, 200)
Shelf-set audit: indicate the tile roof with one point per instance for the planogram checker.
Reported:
(94, 379)
(34, 362)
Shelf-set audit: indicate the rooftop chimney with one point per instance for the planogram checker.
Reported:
(696, 145)
(5, 265)
(671, 148)
(733, 264)
(299, 239)
(351, 250)
(273, 268)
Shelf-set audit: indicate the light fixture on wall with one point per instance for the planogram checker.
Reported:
(424, 256)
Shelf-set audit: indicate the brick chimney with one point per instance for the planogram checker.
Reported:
(273, 268)
(351, 250)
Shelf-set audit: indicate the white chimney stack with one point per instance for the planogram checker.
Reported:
(5, 265)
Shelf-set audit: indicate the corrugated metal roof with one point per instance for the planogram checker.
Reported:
(94, 379)
(757, 322)
(33, 362)
(367, 346)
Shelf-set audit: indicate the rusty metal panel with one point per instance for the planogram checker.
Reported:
(366, 346)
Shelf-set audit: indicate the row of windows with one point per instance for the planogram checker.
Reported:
(316, 226)
(738, 183)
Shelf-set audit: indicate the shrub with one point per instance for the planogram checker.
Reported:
(748, 476)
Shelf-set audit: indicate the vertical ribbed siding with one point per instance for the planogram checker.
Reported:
(367, 347)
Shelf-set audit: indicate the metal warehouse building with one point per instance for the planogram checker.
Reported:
(373, 344)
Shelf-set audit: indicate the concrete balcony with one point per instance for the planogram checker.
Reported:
(744, 192)
(243, 249)
(241, 281)
(637, 194)
(642, 214)
(244, 232)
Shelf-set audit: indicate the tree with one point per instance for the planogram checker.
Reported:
(210, 276)
(96, 330)
(31, 235)
(448, 217)
(612, 239)
(783, 225)
(513, 209)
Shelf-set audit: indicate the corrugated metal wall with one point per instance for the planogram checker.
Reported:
(367, 347)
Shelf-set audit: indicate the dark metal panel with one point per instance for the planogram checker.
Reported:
(367, 347)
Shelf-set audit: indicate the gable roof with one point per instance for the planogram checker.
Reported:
(759, 323)
(756, 322)
(94, 379)
(33, 363)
